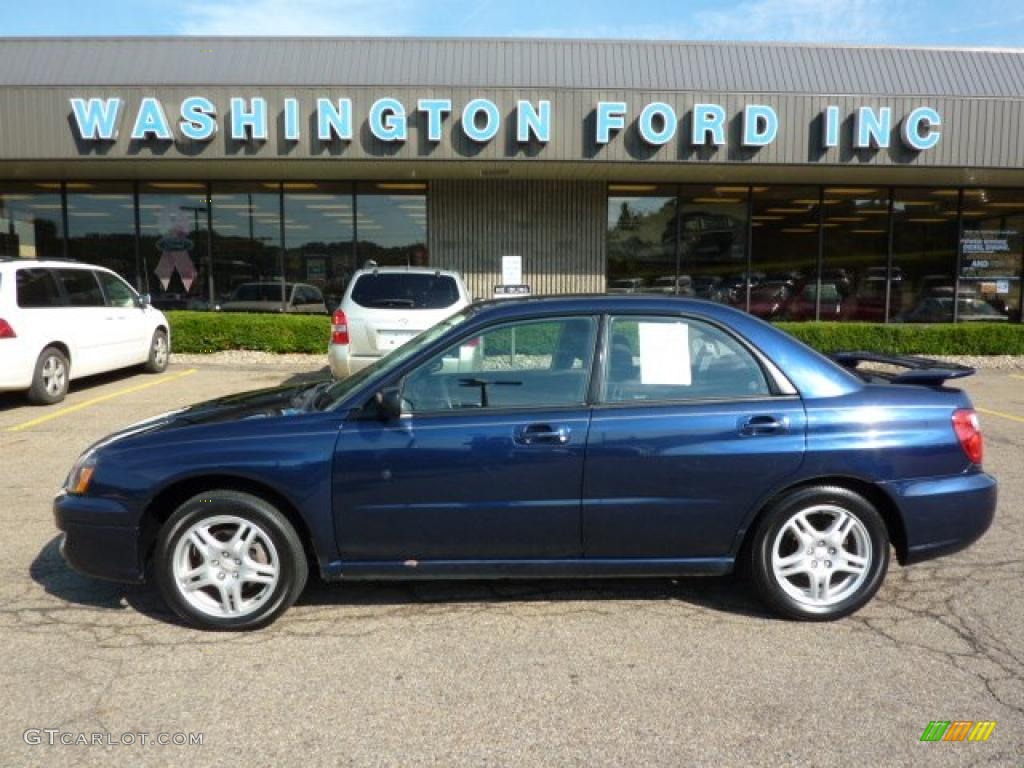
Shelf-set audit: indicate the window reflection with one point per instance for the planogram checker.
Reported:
(31, 222)
(784, 252)
(173, 244)
(101, 227)
(319, 248)
(992, 250)
(247, 247)
(641, 239)
(924, 255)
(712, 241)
(391, 223)
(856, 246)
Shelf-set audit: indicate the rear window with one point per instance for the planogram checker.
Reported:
(259, 292)
(395, 290)
(37, 288)
(81, 288)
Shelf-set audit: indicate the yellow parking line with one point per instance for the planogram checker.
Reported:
(1016, 376)
(110, 396)
(1009, 416)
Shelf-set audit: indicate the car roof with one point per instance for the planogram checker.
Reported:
(405, 270)
(15, 262)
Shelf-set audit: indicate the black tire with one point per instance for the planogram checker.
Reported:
(874, 543)
(292, 566)
(50, 377)
(159, 352)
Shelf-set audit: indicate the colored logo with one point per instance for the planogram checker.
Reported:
(958, 730)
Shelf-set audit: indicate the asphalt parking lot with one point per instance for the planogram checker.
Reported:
(611, 673)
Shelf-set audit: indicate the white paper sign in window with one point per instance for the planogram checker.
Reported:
(664, 354)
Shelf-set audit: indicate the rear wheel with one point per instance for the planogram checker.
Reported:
(820, 553)
(229, 560)
(159, 352)
(50, 378)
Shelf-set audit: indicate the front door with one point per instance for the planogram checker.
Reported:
(486, 461)
(691, 432)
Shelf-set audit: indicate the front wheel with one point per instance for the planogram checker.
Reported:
(819, 554)
(159, 352)
(229, 560)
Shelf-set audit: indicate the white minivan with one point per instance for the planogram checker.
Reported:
(61, 320)
(384, 307)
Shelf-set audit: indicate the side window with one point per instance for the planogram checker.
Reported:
(81, 287)
(542, 363)
(117, 290)
(666, 358)
(37, 288)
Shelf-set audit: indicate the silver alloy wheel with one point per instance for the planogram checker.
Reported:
(226, 566)
(55, 375)
(821, 555)
(159, 350)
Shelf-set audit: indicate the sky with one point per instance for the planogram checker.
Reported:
(988, 23)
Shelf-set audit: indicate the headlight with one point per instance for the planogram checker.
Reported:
(80, 478)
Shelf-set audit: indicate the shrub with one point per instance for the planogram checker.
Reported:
(218, 331)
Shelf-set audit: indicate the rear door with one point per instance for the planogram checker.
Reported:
(690, 433)
(89, 322)
(390, 308)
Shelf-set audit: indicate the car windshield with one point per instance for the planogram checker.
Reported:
(259, 292)
(341, 389)
(400, 290)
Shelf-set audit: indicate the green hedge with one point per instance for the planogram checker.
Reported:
(217, 331)
(910, 339)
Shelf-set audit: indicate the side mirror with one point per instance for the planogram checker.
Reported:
(389, 403)
(145, 300)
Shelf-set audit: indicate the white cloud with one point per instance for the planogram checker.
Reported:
(298, 17)
(810, 21)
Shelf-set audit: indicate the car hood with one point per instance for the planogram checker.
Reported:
(256, 404)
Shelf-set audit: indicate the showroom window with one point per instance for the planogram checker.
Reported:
(319, 237)
(785, 223)
(924, 255)
(101, 226)
(247, 256)
(991, 255)
(642, 256)
(855, 246)
(174, 244)
(31, 220)
(391, 223)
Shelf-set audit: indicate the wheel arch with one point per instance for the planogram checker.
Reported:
(169, 498)
(874, 494)
(64, 347)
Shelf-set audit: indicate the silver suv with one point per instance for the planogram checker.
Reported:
(384, 307)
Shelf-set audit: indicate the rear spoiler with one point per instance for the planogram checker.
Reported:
(920, 370)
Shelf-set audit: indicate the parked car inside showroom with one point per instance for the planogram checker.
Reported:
(61, 320)
(595, 436)
(385, 307)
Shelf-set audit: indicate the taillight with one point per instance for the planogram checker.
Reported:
(968, 432)
(472, 343)
(6, 332)
(339, 328)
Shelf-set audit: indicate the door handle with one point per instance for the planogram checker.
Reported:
(763, 425)
(542, 434)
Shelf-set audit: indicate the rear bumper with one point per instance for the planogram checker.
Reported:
(343, 363)
(17, 364)
(942, 515)
(99, 539)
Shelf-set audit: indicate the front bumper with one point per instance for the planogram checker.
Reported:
(942, 515)
(99, 538)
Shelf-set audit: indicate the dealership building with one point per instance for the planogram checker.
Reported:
(796, 181)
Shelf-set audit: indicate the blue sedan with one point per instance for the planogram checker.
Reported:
(546, 437)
